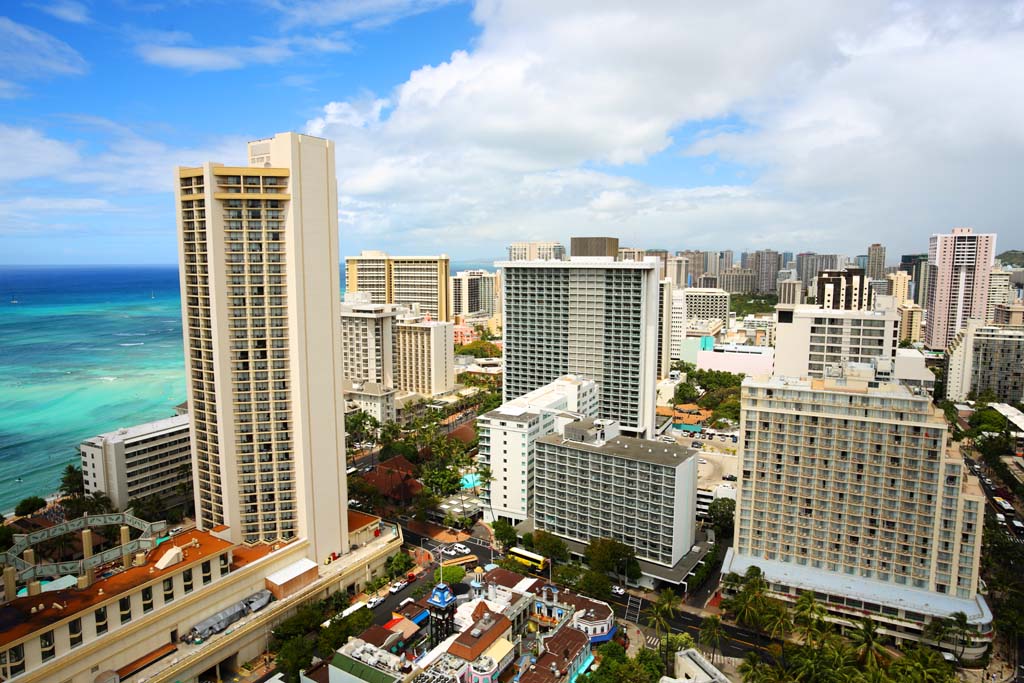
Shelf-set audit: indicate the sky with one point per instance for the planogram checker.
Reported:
(460, 127)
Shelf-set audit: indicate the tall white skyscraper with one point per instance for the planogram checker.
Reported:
(959, 265)
(590, 316)
(258, 253)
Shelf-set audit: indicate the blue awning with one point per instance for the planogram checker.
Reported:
(606, 637)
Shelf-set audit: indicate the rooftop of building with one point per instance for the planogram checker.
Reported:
(641, 450)
(472, 642)
(1014, 416)
(560, 650)
(166, 424)
(799, 578)
(22, 616)
(573, 262)
(857, 378)
(815, 311)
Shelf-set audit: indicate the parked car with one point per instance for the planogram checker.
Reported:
(396, 587)
(460, 549)
(177, 530)
(618, 590)
(702, 461)
(374, 601)
(729, 477)
(449, 550)
(696, 444)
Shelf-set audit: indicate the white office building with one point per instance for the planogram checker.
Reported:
(591, 482)
(986, 360)
(135, 462)
(848, 489)
(590, 316)
(474, 293)
(367, 339)
(707, 303)
(536, 251)
(810, 339)
(508, 435)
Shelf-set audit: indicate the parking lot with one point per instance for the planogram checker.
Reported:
(718, 454)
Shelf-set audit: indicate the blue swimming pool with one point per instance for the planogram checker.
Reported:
(470, 481)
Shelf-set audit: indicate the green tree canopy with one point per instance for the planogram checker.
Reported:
(685, 393)
(504, 533)
(71, 481)
(721, 512)
(550, 546)
(479, 349)
(451, 575)
(30, 505)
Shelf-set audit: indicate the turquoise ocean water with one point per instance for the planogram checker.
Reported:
(84, 350)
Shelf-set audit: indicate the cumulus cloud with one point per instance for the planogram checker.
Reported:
(858, 122)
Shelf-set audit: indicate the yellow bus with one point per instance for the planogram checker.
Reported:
(538, 562)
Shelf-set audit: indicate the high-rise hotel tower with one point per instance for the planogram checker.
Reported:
(258, 252)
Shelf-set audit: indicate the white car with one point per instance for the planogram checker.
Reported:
(397, 587)
(460, 549)
(618, 590)
(702, 461)
(374, 602)
(449, 550)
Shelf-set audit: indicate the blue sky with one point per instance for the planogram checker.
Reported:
(461, 127)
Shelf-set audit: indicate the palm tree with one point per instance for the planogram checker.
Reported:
(921, 665)
(937, 630)
(750, 667)
(776, 621)
(867, 643)
(711, 634)
(809, 616)
(661, 613)
(961, 629)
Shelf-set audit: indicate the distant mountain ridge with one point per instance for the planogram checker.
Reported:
(1012, 257)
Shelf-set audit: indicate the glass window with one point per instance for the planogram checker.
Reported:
(126, 609)
(75, 632)
(101, 620)
(186, 577)
(46, 646)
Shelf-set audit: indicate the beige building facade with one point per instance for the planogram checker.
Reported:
(403, 280)
(258, 254)
(424, 357)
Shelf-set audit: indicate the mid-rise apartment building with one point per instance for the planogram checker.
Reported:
(474, 293)
(590, 316)
(959, 266)
(791, 291)
(809, 340)
(875, 265)
(1009, 314)
(986, 360)
(916, 265)
(707, 303)
(677, 325)
(678, 271)
(591, 482)
(737, 280)
(403, 280)
(766, 264)
(367, 339)
(258, 254)
(151, 459)
(664, 328)
(508, 435)
(536, 251)
(899, 287)
(849, 490)
(843, 289)
(999, 292)
(911, 322)
(424, 354)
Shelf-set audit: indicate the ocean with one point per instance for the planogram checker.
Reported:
(85, 350)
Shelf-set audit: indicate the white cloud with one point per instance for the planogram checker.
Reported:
(26, 52)
(164, 49)
(360, 13)
(861, 121)
(66, 10)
